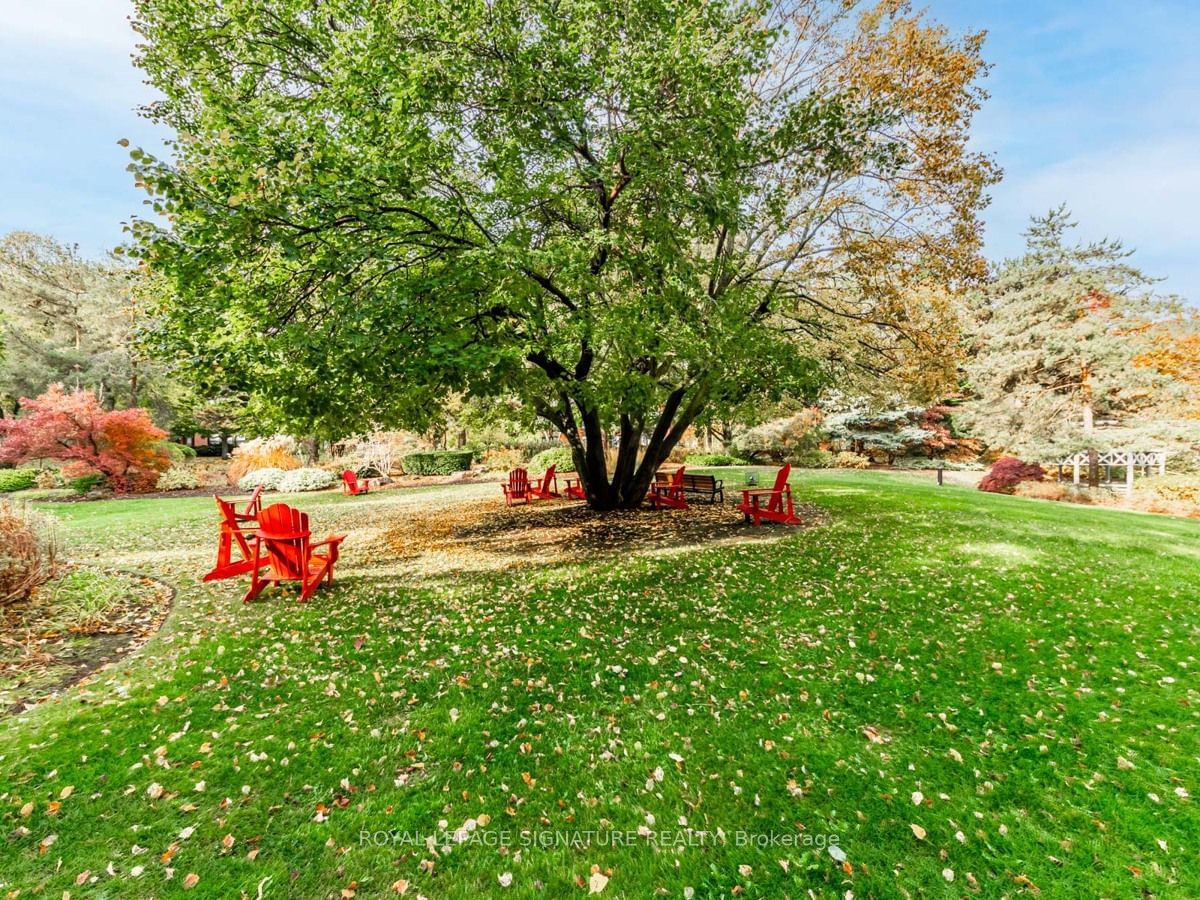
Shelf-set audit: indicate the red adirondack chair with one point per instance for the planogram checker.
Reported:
(779, 501)
(284, 543)
(574, 489)
(351, 486)
(235, 528)
(517, 487)
(547, 488)
(670, 492)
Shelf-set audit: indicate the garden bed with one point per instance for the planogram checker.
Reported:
(72, 625)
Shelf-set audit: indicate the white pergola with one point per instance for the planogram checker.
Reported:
(1149, 461)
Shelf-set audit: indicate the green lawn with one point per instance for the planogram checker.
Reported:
(978, 695)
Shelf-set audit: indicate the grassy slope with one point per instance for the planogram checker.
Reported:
(1039, 644)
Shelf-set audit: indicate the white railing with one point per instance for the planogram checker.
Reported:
(1129, 460)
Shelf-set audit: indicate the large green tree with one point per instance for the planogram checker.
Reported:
(622, 213)
(1061, 333)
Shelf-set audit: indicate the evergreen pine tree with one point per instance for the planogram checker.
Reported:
(1055, 347)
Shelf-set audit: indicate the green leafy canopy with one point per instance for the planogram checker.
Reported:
(618, 212)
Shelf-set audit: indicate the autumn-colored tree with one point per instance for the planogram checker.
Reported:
(122, 445)
(1174, 352)
(1007, 472)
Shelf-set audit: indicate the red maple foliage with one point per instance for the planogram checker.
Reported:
(936, 421)
(122, 445)
(1007, 472)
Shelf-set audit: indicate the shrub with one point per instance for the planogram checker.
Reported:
(298, 480)
(848, 460)
(47, 479)
(268, 478)
(27, 551)
(890, 434)
(555, 456)
(1041, 490)
(783, 439)
(376, 452)
(814, 458)
(504, 458)
(438, 462)
(122, 445)
(178, 478)
(84, 484)
(277, 452)
(1007, 472)
(1182, 488)
(17, 480)
(714, 459)
(921, 463)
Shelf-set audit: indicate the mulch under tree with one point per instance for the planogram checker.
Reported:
(485, 535)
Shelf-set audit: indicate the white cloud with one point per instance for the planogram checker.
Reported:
(1146, 193)
(77, 23)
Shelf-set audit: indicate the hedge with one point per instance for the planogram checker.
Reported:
(17, 480)
(438, 462)
(714, 459)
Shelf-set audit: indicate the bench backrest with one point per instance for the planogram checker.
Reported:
(700, 482)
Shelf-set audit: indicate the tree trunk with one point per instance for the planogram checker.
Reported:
(636, 465)
(1085, 391)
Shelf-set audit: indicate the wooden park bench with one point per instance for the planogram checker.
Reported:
(705, 486)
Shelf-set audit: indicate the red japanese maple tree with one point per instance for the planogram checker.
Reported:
(122, 445)
(1007, 472)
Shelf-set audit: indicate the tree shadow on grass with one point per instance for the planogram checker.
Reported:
(485, 535)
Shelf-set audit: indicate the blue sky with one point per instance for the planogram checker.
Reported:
(1094, 103)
